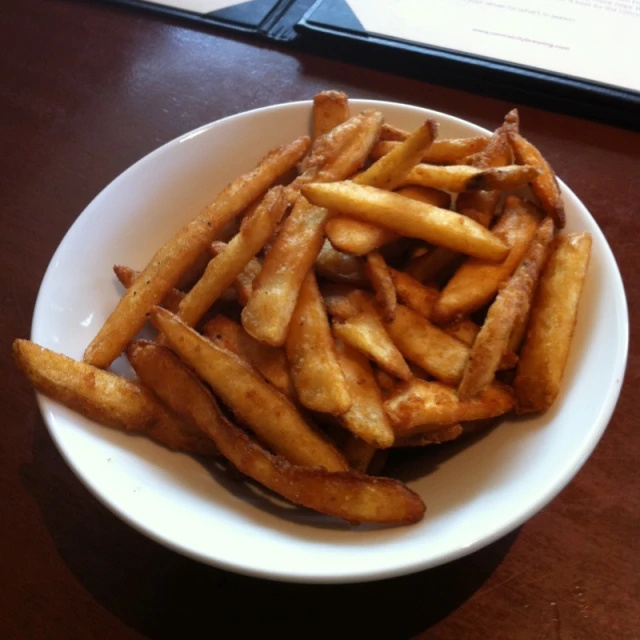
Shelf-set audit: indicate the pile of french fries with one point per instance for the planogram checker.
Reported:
(396, 292)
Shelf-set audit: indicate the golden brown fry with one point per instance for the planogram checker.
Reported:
(386, 173)
(498, 152)
(342, 151)
(340, 267)
(478, 205)
(106, 398)
(223, 269)
(195, 271)
(419, 406)
(464, 329)
(477, 281)
(390, 132)
(553, 318)
(382, 284)
(174, 258)
(366, 417)
(252, 400)
(545, 185)
(444, 434)
(330, 108)
(270, 362)
(428, 346)
(443, 151)
(268, 312)
(243, 284)
(492, 342)
(348, 495)
(408, 217)
(317, 376)
(358, 453)
(359, 326)
(128, 276)
(459, 177)
(385, 381)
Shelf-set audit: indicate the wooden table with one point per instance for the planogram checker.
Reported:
(88, 89)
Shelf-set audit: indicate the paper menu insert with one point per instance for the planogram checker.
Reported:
(597, 40)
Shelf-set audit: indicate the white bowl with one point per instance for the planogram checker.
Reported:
(490, 486)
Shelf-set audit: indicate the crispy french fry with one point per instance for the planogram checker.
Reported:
(174, 258)
(358, 453)
(225, 268)
(268, 312)
(443, 151)
(444, 434)
(477, 281)
(348, 495)
(106, 398)
(195, 270)
(366, 417)
(479, 205)
(359, 325)
(330, 108)
(458, 177)
(492, 342)
(419, 406)
(243, 284)
(428, 346)
(252, 400)
(345, 301)
(390, 132)
(317, 376)
(498, 152)
(408, 217)
(553, 318)
(343, 151)
(382, 284)
(340, 267)
(464, 329)
(270, 362)
(545, 185)
(128, 276)
(386, 173)
(385, 381)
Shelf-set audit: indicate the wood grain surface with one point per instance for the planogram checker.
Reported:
(87, 89)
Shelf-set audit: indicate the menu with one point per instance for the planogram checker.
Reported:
(596, 40)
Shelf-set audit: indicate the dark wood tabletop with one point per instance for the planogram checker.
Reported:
(86, 90)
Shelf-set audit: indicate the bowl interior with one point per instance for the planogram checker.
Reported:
(475, 491)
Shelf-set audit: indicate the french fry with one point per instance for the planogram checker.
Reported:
(492, 342)
(545, 185)
(428, 346)
(176, 256)
(391, 132)
(422, 300)
(553, 318)
(359, 238)
(479, 205)
(225, 268)
(443, 151)
(270, 362)
(408, 217)
(358, 453)
(359, 325)
(343, 151)
(268, 312)
(476, 282)
(382, 283)
(340, 267)
(128, 276)
(317, 376)
(330, 108)
(419, 406)
(348, 495)
(366, 417)
(385, 381)
(444, 434)
(243, 284)
(252, 400)
(498, 152)
(107, 398)
(386, 173)
(460, 177)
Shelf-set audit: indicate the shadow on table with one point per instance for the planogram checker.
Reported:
(164, 595)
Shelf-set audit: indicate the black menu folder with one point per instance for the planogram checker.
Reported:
(331, 28)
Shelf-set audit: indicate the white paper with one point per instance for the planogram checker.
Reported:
(199, 6)
(592, 39)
